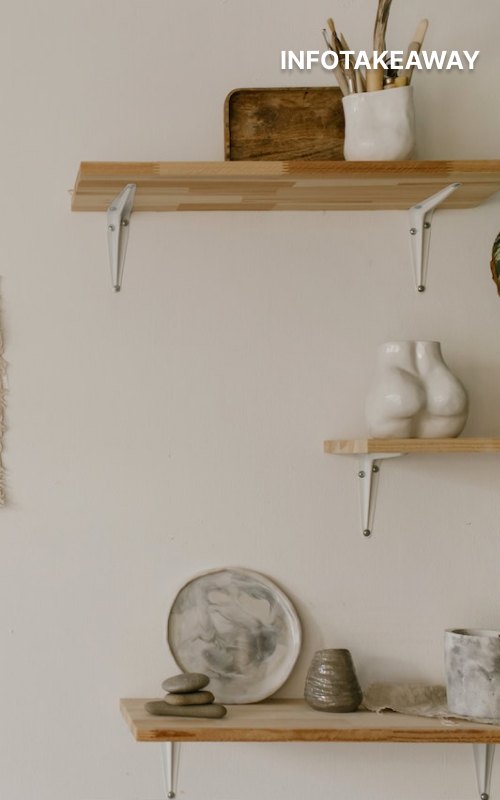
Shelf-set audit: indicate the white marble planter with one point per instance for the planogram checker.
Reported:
(472, 662)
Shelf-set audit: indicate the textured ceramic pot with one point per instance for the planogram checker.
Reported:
(379, 126)
(472, 663)
(331, 683)
(414, 394)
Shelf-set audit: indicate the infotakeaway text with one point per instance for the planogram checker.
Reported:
(387, 59)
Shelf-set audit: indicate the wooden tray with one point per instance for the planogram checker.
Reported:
(284, 124)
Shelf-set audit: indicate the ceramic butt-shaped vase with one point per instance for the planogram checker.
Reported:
(331, 682)
(414, 394)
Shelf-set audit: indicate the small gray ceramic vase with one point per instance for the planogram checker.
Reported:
(331, 683)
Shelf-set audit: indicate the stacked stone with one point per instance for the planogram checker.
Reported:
(187, 697)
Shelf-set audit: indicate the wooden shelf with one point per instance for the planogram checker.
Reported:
(283, 185)
(372, 452)
(340, 447)
(294, 721)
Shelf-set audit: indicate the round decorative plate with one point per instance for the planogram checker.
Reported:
(238, 628)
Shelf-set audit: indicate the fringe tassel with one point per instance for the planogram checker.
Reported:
(3, 368)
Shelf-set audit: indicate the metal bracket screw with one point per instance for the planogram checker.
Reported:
(420, 225)
(483, 759)
(370, 469)
(119, 214)
(170, 752)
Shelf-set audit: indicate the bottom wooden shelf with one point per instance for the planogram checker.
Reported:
(295, 721)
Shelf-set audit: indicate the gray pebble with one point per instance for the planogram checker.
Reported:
(186, 682)
(189, 699)
(159, 708)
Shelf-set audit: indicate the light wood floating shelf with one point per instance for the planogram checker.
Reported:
(372, 452)
(341, 447)
(294, 721)
(283, 185)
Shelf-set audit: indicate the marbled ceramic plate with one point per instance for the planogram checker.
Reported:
(238, 628)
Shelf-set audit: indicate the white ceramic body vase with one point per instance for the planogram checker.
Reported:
(472, 663)
(379, 126)
(414, 394)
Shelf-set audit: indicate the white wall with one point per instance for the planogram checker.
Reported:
(179, 425)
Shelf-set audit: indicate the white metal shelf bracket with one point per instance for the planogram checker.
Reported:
(368, 473)
(170, 753)
(119, 213)
(483, 753)
(420, 232)
(483, 758)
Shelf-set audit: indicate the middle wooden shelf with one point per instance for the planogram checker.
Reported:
(349, 447)
(371, 452)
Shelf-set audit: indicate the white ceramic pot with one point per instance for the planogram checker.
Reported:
(379, 126)
(472, 663)
(414, 394)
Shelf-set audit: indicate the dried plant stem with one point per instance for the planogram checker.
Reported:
(379, 32)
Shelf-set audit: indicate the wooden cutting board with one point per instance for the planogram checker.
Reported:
(284, 124)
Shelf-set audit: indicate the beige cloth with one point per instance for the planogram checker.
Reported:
(413, 698)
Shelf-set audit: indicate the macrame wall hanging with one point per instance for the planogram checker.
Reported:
(2, 418)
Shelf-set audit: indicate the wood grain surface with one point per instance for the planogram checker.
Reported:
(283, 185)
(365, 446)
(295, 721)
(284, 124)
